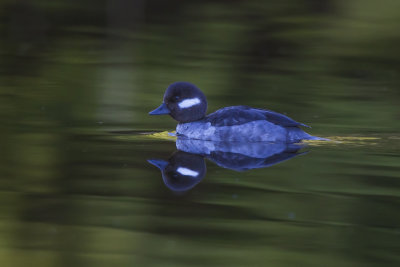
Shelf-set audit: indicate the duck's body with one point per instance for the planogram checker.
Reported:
(187, 104)
(242, 123)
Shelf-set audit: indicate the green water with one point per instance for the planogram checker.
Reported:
(77, 82)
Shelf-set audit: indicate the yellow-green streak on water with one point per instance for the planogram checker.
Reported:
(333, 140)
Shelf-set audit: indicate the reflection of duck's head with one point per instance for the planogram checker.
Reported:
(184, 102)
(182, 171)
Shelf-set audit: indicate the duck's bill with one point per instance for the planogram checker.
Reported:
(161, 110)
(159, 163)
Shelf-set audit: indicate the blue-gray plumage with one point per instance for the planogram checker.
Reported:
(187, 104)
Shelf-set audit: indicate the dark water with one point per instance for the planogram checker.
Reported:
(77, 82)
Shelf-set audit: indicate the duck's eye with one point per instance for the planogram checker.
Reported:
(176, 98)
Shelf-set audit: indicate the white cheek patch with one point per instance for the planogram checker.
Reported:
(187, 172)
(187, 103)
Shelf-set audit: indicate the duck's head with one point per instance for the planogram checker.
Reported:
(184, 102)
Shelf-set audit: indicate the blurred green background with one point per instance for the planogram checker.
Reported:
(74, 192)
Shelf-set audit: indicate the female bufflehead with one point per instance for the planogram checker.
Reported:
(185, 103)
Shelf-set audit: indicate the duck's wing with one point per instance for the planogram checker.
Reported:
(280, 119)
(237, 115)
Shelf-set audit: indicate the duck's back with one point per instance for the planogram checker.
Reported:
(242, 123)
(237, 115)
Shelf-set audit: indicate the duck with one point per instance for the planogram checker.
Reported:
(187, 104)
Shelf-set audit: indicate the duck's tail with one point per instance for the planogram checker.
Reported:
(296, 134)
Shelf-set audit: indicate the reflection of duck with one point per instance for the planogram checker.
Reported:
(186, 167)
(188, 105)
